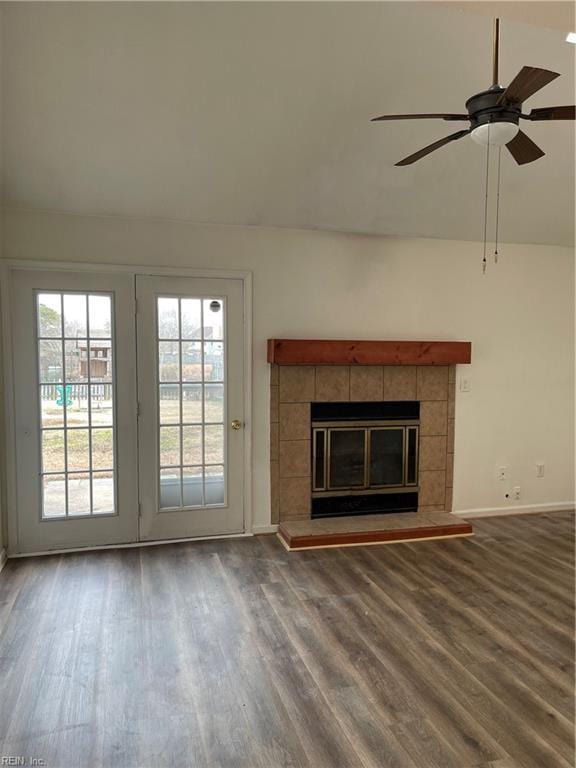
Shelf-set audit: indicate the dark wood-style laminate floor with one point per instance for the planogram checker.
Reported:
(237, 654)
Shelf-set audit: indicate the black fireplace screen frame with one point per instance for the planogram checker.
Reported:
(355, 492)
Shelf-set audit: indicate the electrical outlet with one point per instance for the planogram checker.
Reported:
(516, 491)
(540, 470)
(502, 473)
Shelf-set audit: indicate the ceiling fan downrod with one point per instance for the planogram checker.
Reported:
(496, 53)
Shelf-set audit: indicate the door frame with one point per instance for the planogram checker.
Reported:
(8, 499)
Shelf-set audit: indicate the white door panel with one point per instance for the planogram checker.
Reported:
(190, 384)
(75, 413)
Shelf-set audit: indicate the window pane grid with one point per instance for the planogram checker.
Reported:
(64, 409)
(70, 428)
(176, 383)
(74, 338)
(79, 471)
(203, 405)
(75, 362)
(89, 372)
(192, 344)
(181, 462)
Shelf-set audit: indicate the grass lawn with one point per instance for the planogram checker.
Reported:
(102, 447)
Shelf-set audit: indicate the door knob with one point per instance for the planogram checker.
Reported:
(236, 424)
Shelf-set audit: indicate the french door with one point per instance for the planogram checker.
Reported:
(191, 406)
(74, 364)
(126, 423)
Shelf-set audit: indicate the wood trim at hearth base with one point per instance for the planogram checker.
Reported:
(361, 538)
(374, 543)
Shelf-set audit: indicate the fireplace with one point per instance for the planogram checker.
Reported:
(364, 457)
(307, 374)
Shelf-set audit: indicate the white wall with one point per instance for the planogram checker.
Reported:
(2, 494)
(519, 317)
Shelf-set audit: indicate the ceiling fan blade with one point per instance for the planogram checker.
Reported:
(523, 149)
(552, 113)
(525, 84)
(431, 147)
(420, 117)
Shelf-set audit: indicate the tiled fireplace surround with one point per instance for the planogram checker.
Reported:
(294, 387)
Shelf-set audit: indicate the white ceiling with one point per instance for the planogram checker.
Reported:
(258, 113)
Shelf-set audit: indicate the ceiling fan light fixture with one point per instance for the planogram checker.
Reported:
(495, 134)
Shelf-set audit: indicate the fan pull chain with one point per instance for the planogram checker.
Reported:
(486, 202)
(497, 208)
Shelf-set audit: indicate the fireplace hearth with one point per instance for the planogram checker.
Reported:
(364, 457)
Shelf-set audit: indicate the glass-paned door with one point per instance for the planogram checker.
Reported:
(191, 389)
(76, 457)
(190, 392)
(76, 394)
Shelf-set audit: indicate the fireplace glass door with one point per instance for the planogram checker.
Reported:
(386, 456)
(347, 458)
(360, 457)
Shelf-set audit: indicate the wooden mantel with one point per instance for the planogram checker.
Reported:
(332, 352)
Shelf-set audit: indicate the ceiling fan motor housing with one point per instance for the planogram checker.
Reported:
(490, 122)
(483, 108)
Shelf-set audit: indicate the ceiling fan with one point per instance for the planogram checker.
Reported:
(495, 114)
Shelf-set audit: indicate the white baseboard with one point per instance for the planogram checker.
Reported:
(3, 557)
(529, 509)
(258, 530)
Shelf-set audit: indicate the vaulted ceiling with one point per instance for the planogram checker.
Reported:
(258, 113)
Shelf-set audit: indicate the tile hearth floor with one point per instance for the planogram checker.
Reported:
(371, 529)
